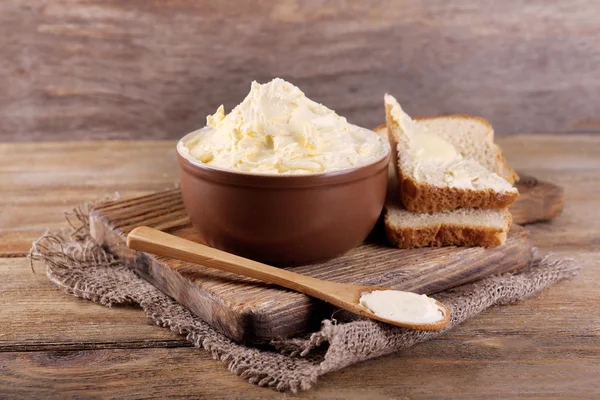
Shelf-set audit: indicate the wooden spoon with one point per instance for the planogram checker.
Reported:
(342, 295)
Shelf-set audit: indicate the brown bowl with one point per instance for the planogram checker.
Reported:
(283, 219)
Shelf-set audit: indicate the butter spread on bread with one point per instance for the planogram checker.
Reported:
(434, 175)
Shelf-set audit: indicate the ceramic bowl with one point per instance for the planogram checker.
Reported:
(283, 219)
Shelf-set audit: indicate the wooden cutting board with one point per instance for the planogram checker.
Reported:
(250, 311)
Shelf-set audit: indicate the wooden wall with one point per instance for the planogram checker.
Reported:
(107, 69)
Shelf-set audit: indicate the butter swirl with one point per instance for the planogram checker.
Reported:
(276, 129)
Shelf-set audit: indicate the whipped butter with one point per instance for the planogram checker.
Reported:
(423, 144)
(459, 176)
(433, 147)
(276, 129)
(405, 307)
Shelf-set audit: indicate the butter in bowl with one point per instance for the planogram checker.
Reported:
(283, 179)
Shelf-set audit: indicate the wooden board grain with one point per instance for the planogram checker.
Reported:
(39, 316)
(461, 365)
(39, 182)
(247, 310)
(537, 201)
(138, 69)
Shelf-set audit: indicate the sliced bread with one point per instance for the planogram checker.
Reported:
(433, 175)
(473, 137)
(462, 227)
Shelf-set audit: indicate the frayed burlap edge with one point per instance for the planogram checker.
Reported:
(76, 263)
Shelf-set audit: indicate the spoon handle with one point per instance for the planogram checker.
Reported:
(339, 294)
(163, 244)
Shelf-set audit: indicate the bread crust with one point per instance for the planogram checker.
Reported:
(423, 197)
(445, 234)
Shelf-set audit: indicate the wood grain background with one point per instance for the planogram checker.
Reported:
(101, 69)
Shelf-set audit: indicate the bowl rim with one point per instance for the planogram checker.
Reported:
(246, 178)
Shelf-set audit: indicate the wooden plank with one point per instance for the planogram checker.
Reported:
(537, 201)
(97, 69)
(39, 316)
(248, 311)
(498, 367)
(40, 181)
(546, 346)
(572, 164)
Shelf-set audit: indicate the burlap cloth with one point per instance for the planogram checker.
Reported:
(75, 262)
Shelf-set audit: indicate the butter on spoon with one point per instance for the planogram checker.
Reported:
(408, 310)
(405, 307)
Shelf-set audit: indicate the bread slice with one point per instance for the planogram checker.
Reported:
(434, 176)
(473, 137)
(462, 227)
(476, 140)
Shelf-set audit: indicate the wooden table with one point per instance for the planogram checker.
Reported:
(52, 344)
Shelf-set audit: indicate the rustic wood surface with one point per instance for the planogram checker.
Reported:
(116, 69)
(250, 311)
(52, 345)
(537, 201)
